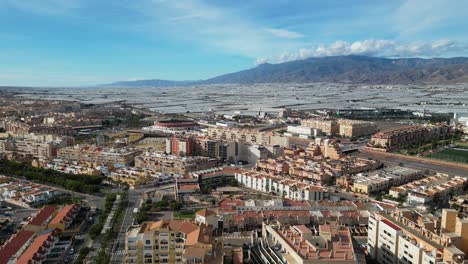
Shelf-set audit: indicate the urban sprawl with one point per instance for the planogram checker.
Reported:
(111, 182)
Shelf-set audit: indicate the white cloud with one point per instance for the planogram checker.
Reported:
(376, 47)
(214, 27)
(261, 60)
(283, 33)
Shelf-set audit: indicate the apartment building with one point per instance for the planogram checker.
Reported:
(286, 187)
(173, 164)
(406, 236)
(173, 241)
(180, 146)
(394, 139)
(356, 128)
(34, 147)
(98, 155)
(328, 126)
(19, 127)
(299, 244)
(138, 176)
(384, 179)
(247, 135)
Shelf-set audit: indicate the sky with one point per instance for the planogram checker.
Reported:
(86, 42)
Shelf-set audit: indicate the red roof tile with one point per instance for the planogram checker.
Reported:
(14, 244)
(41, 217)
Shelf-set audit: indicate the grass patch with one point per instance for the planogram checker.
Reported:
(184, 215)
(452, 155)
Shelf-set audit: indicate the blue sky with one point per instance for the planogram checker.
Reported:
(80, 42)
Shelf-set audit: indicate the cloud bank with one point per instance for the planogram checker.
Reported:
(372, 47)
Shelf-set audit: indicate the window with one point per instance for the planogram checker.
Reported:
(148, 242)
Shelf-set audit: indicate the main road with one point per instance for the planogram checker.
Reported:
(134, 200)
(420, 164)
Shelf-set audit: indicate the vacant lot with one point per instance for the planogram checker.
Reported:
(453, 155)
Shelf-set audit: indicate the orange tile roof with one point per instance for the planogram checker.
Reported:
(14, 244)
(62, 214)
(41, 217)
(36, 247)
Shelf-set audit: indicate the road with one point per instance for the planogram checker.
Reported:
(134, 200)
(421, 165)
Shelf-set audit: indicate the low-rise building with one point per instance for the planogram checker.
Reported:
(384, 179)
(14, 247)
(288, 188)
(64, 217)
(40, 248)
(436, 188)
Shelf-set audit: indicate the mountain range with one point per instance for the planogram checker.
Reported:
(337, 69)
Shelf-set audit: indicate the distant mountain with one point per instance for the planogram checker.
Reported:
(339, 69)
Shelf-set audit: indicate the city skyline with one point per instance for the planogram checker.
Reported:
(73, 43)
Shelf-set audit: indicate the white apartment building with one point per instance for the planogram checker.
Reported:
(287, 188)
(388, 242)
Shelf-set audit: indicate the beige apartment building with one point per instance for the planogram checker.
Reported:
(174, 241)
(98, 155)
(173, 164)
(394, 139)
(356, 128)
(327, 126)
(247, 135)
